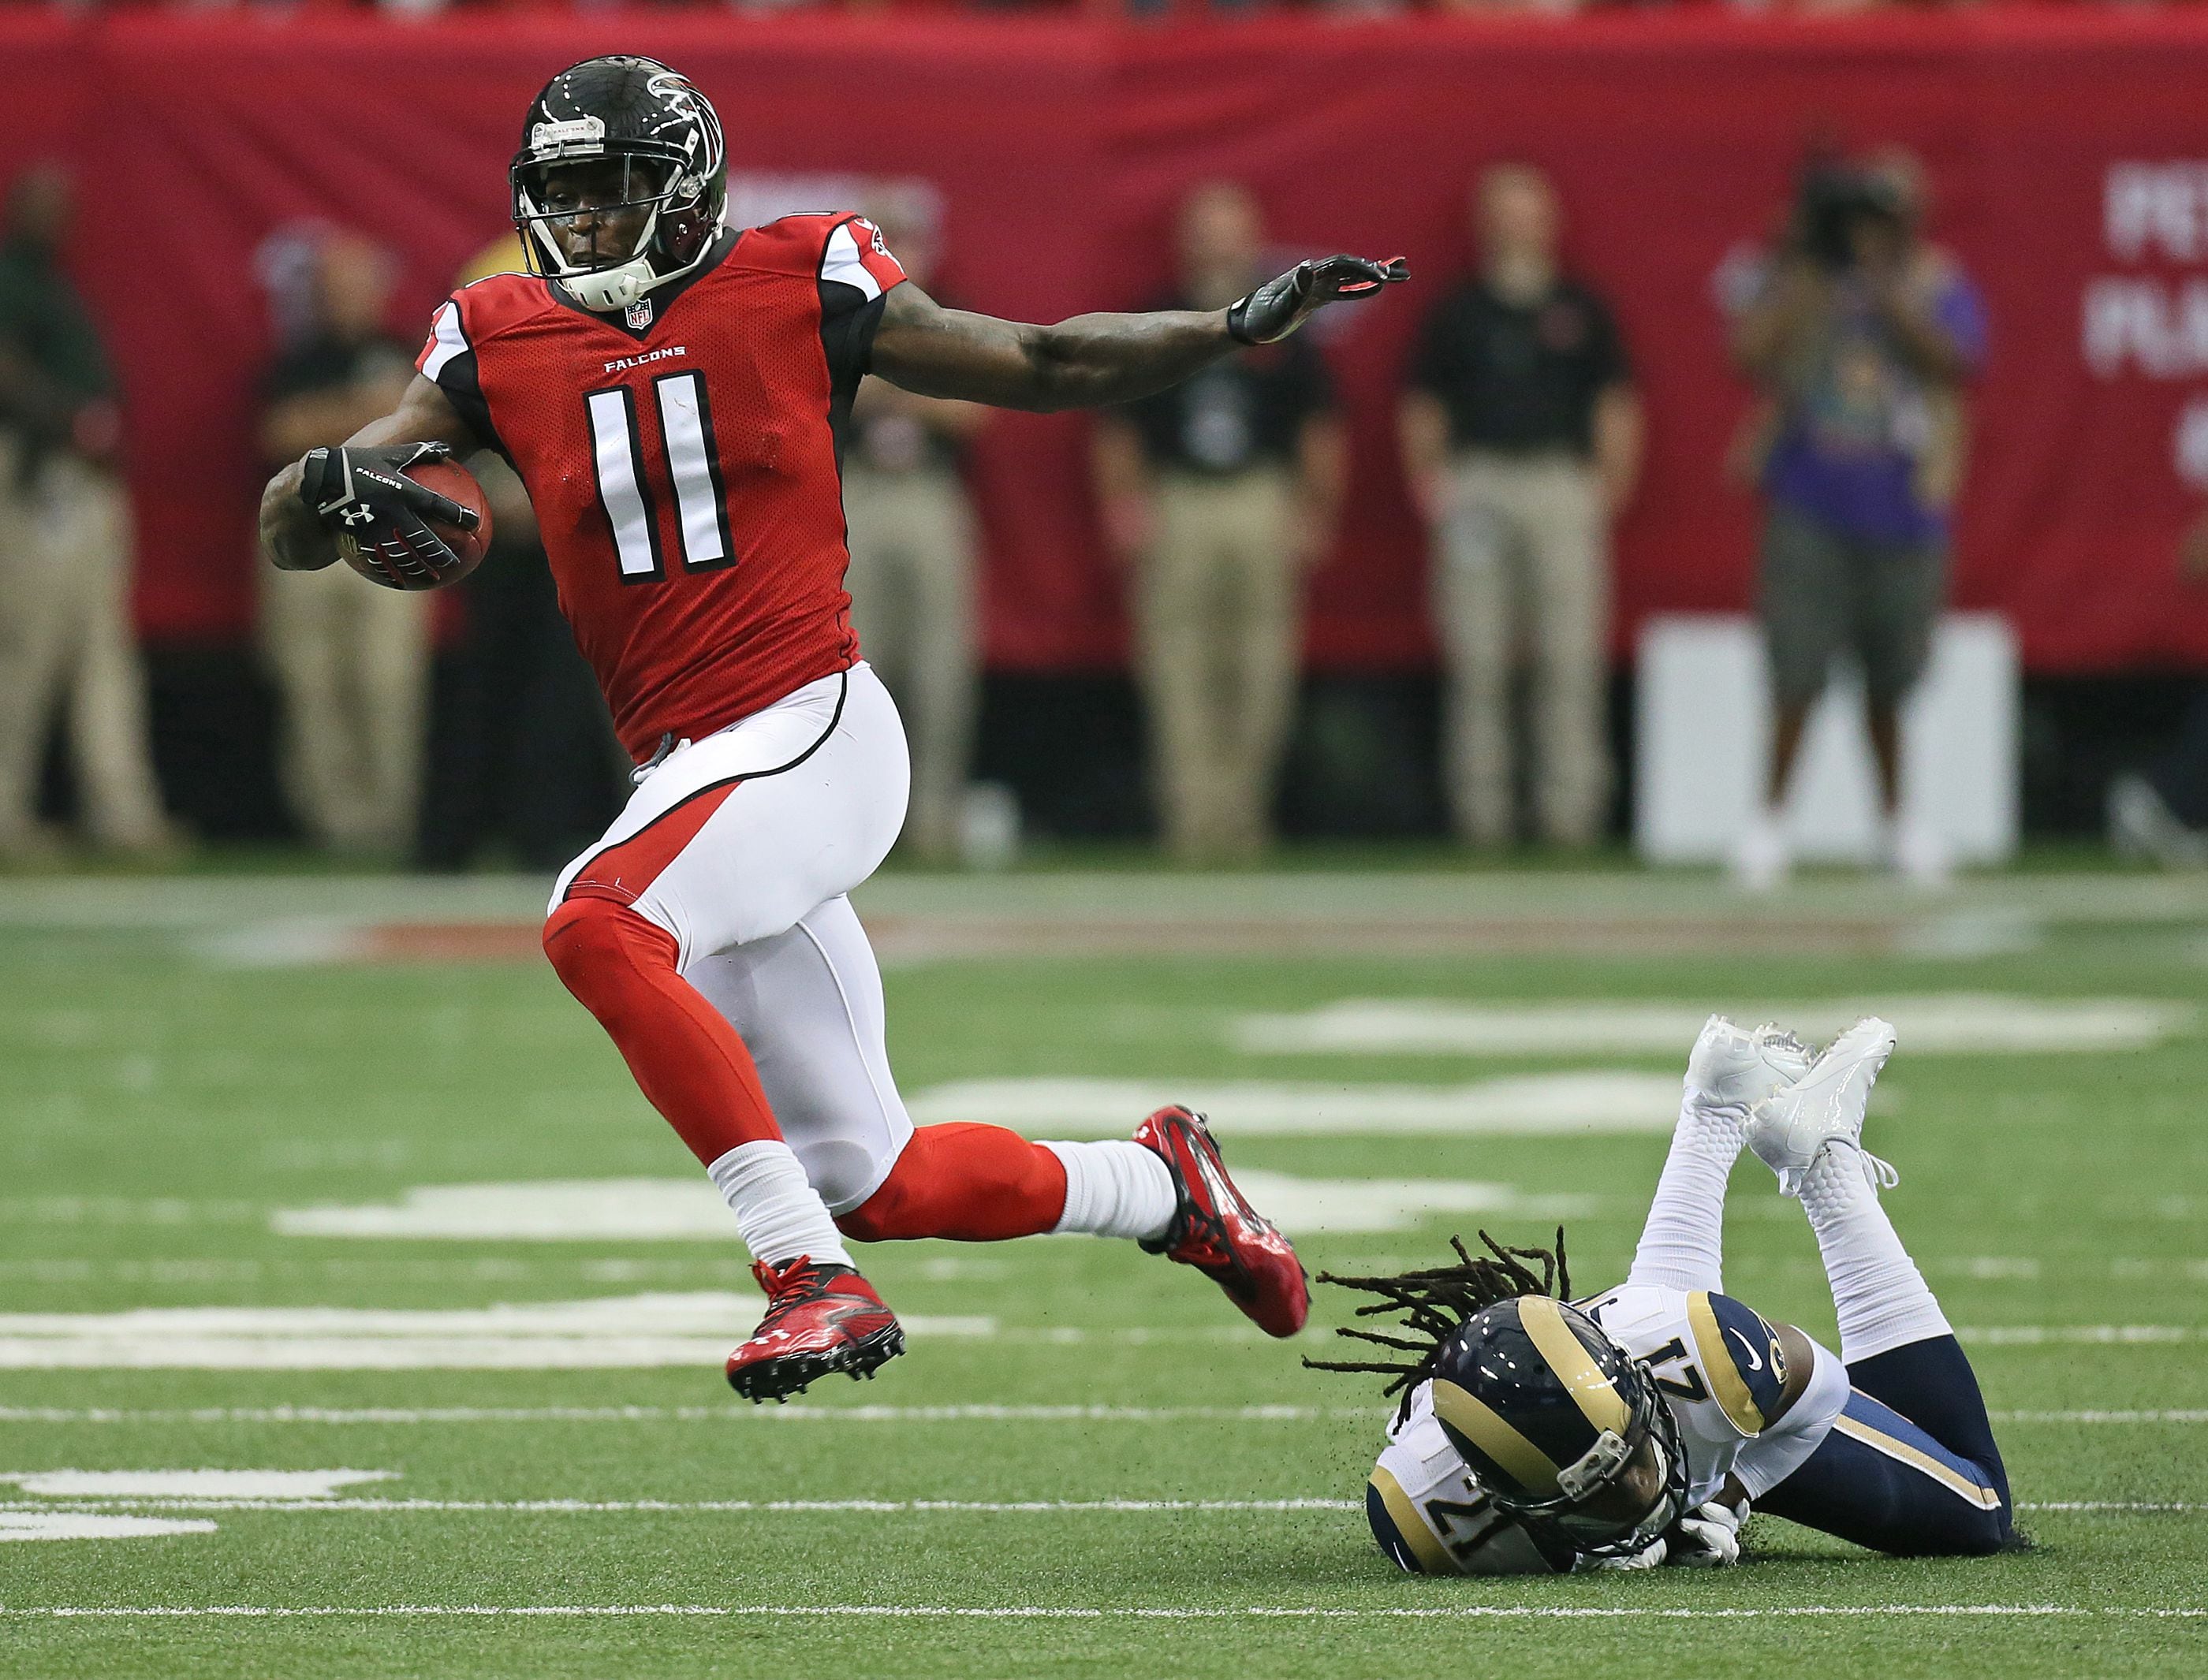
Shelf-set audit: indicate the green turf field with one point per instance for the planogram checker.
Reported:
(237, 1110)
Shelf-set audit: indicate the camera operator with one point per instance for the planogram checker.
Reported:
(1860, 338)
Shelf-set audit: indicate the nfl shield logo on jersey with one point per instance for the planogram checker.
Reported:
(639, 315)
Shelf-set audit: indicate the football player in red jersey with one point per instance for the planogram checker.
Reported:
(670, 390)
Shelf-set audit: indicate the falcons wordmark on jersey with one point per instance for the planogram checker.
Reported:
(681, 459)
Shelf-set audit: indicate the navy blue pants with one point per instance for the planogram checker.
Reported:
(1911, 1467)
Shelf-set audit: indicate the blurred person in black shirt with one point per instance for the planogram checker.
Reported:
(910, 529)
(1521, 436)
(65, 548)
(352, 664)
(1219, 495)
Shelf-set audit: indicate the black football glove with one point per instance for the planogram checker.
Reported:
(380, 516)
(1279, 307)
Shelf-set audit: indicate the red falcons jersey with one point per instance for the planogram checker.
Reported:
(682, 457)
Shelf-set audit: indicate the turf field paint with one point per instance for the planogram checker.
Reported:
(887, 1507)
(642, 1210)
(1531, 1106)
(191, 1484)
(83, 1526)
(1138, 1613)
(1930, 1024)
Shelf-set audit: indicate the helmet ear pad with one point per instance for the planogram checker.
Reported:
(688, 224)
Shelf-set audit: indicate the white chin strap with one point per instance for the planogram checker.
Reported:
(606, 290)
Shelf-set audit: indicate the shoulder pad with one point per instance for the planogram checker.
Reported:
(498, 300)
(792, 243)
(1739, 1349)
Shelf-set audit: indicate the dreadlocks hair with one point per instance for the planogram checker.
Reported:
(1433, 1304)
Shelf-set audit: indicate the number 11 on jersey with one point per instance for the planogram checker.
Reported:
(694, 467)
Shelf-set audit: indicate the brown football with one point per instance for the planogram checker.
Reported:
(447, 478)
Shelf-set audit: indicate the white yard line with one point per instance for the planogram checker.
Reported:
(1068, 1613)
(2191, 1414)
(1935, 1023)
(871, 1507)
(626, 1507)
(731, 1413)
(654, 1328)
(411, 1415)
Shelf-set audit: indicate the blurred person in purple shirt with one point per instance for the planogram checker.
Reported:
(1860, 338)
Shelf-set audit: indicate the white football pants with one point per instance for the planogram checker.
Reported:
(755, 898)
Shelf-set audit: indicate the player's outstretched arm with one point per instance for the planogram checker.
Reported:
(295, 538)
(1092, 360)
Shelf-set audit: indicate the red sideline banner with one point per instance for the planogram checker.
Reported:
(2068, 154)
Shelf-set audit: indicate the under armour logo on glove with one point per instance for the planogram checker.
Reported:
(1280, 305)
(364, 495)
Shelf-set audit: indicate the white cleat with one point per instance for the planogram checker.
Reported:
(1735, 1067)
(1790, 1129)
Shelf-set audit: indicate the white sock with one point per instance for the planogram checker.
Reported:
(1114, 1189)
(1682, 1246)
(1880, 1295)
(780, 1216)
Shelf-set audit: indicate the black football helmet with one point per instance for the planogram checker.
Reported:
(1552, 1417)
(667, 137)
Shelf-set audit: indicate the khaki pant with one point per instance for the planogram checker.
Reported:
(65, 631)
(1218, 621)
(351, 660)
(912, 583)
(1523, 559)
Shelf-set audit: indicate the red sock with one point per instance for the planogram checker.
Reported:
(969, 1183)
(689, 1062)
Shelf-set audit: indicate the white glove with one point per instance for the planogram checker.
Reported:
(1647, 1558)
(1708, 1537)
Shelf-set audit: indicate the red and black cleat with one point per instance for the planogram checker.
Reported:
(1217, 1231)
(819, 1320)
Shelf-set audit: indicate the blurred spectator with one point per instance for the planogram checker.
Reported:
(912, 576)
(2160, 814)
(65, 543)
(522, 755)
(1219, 495)
(1521, 435)
(350, 659)
(1860, 336)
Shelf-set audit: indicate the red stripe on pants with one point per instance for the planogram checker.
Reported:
(622, 872)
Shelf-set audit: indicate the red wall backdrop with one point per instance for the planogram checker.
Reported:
(2069, 155)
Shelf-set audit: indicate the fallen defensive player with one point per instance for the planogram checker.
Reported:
(1640, 1425)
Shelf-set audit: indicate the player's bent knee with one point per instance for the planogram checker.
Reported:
(592, 941)
(869, 1222)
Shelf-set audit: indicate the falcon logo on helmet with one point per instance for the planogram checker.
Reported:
(1564, 1428)
(666, 137)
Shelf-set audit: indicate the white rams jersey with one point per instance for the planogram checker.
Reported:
(1719, 1367)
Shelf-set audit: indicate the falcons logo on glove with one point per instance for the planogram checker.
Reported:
(364, 496)
(1279, 307)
